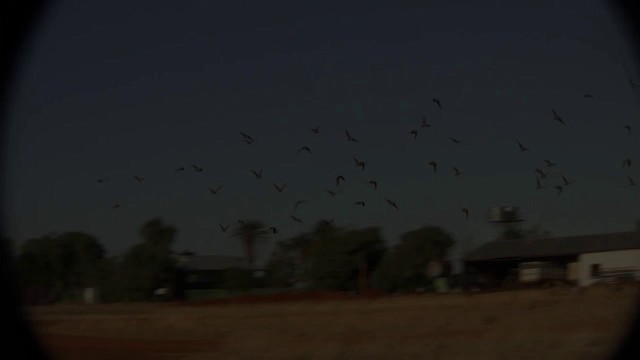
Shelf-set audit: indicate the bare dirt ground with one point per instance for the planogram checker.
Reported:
(526, 324)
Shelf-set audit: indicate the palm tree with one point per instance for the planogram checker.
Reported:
(249, 232)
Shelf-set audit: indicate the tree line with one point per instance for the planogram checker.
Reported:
(57, 266)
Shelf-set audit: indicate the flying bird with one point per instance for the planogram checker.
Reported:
(559, 188)
(457, 171)
(522, 148)
(566, 181)
(216, 190)
(100, 181)
(392, 203)
(241, 222)
(223, 228)
(374, 183)
(338, 178)
(437, 102)
(315, 130)
(258, 174)
(542, 173)
(247, 137)
(538, 184)
(197, 168)
(454, 140)
(361, 203)
(424, 123)
(557, 117)
(332, 193)
(628, 127)
(626, 163)
(298, 203)
(304, 148)
(359, 162)
(466, 212)
(139, 178)
(633, 85)
(549, 163)
(326, 222)
(434, 164)
(247, 141)
(116, 206)
(588, 96)
(414, 133)
(280, 188)
(349, 137)
(296, 219)
(178, 170)
(631, 182)
(274, 229)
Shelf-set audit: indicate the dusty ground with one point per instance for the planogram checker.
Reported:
(532, 324)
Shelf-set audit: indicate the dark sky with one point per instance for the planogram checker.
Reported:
(116, 89)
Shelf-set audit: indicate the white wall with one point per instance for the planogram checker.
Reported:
(609, 259)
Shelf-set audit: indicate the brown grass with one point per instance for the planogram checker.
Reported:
(530, 324)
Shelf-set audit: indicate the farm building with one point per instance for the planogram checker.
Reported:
(198, 273)
(580, 260)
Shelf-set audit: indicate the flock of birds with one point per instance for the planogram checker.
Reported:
(542, 172)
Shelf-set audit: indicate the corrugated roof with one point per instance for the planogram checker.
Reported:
(211, 262)
(572, 245)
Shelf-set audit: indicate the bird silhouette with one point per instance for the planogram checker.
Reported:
(522, 148)
(315, 130)
(454, 140)
(326, 222)
(116, 206)
(223, 228)
(628, 127)
(178, 170)
(296, 219)
(359, 162)
(280, 188)
(559, 188)
(392, 203)
(466, 212)
(216, 190)
(298, 203)
(633, 85)
(457, 171)
(424, 123)
(414, 133)
(100, 181)
(361, 203)
(241, 222)
(274, 229)
(631, 182)
(434, 164)
(247, 141)
(247, 137)
(304, 148)
(332, 193)
(566, 181)
(549, 163)
(538, 184)
(139, 178)
(542, 173)
(374, 183)
(557, 117)
(338, 178)
(258, 174)
(588, 96)
(626, 163)
(197, 168)
(349, 137)
(437, 102)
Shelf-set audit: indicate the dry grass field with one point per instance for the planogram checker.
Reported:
(527, 324)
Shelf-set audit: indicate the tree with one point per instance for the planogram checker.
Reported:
(148, 265)
(249, 232)
(404, 267)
